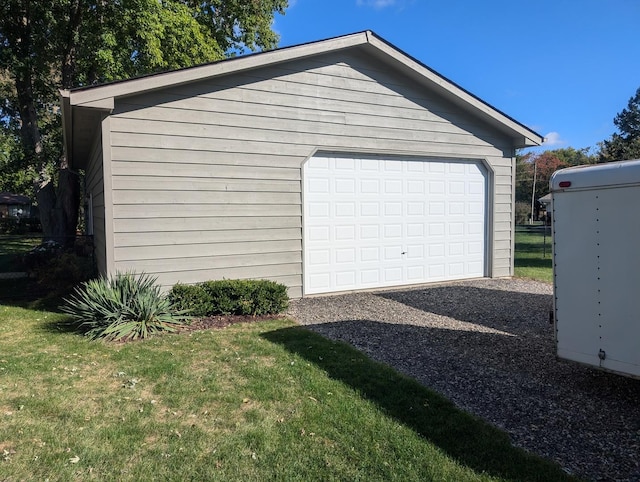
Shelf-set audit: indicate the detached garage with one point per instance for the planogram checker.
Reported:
(338, 165)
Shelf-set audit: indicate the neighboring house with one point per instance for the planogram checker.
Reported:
(14, 205)
(546, 202)
(336, 165)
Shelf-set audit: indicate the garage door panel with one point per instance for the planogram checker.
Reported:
(415, 274)
(370, 254)
(345, 233)
(385, 222)
(370, 232)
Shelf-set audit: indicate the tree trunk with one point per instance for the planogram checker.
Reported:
(58, 208)
(59, 211)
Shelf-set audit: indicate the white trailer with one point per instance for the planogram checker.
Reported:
(596, 265)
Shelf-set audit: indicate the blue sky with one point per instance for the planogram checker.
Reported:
(564, 68)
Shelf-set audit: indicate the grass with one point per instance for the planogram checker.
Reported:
(261, 401)
(533, 254)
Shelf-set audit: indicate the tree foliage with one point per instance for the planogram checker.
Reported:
(541, 166)
(53, 44)
(624, 144)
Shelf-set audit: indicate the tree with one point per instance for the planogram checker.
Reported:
(541, 166)
(570, 156)
(52, 44)
(624, 144)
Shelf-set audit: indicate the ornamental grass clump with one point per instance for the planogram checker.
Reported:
(124, 307)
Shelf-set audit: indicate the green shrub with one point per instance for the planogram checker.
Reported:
(62, 273)
(40, 255)
(269, 298)
(58, 269)
(124, 307)
(191, 299)
(231, 297)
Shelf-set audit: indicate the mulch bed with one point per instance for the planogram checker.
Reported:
(222, 321)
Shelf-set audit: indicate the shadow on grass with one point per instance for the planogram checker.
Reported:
(534, 248)
(26, 293)
(463, 437)
(533, 262)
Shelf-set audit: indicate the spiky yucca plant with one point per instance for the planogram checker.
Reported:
(124, 307)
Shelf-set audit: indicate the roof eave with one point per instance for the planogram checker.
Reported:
(102, 93)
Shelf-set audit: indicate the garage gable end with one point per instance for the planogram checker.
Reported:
(78, 105)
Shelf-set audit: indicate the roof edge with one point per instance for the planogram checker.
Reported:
(530, 138)
(146, 83)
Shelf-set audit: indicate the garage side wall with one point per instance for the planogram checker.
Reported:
(94, 188)
(207, 176)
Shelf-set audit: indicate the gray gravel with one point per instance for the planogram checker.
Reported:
(487, 346)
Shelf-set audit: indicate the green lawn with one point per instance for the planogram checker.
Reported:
(533, 254)
(252, 402)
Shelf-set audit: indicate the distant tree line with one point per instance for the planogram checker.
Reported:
(622, 145)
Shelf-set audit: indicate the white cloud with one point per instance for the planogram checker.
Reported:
(377, 4)
(553, 139)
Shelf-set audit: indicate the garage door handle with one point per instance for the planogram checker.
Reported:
(404, 252)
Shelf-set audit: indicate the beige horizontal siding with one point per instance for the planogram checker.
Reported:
(503, 217)
(186, 239)
(204, 197)
(173, 274)
(502, 244)
(503, 189)
(268, 248)
(151, 211)
(160, 225)
(502, 266)
(503, 228)
(206, 184)
(211, 167)
(207, 176)
(285, 263)
(246, 115)
(311, 135)
(331, 80)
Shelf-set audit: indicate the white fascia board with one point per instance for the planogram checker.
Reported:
(158, 81)
(66, 123)
(451, 90)
(107, 104)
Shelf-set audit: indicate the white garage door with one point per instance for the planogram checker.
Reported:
(372, 222)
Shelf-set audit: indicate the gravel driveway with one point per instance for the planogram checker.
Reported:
(487, 345)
